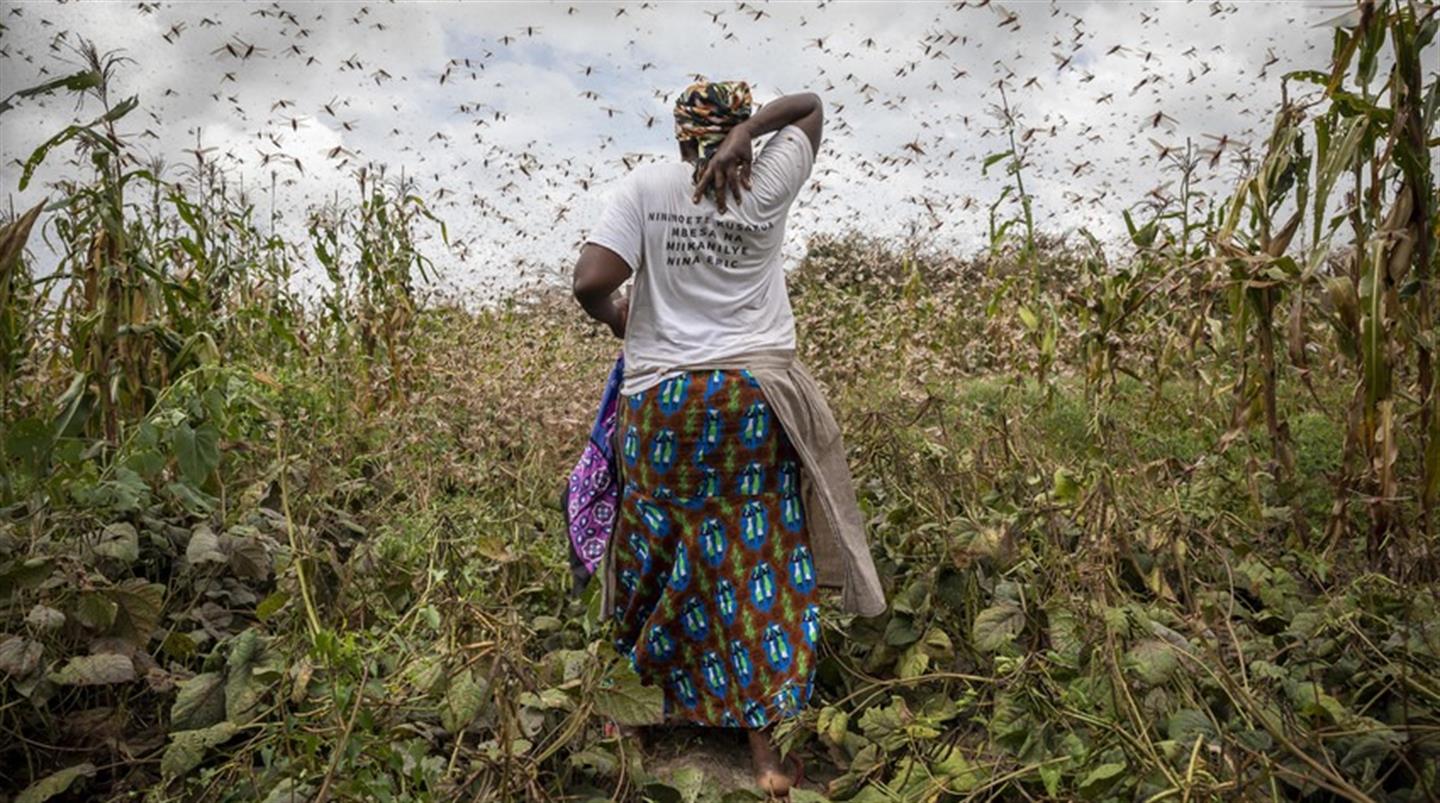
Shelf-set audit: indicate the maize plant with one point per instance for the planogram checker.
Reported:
(1383, 305)
(373, 296)
(1260, 273)
(1037, 315)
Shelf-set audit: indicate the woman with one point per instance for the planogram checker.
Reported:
(736, 502)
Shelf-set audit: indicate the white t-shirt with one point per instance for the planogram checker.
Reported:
(707, 286)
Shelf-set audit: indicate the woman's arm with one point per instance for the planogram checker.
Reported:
(803, 110)
(730, 166)
(599, 272)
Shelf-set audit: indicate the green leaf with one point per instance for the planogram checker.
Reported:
(204, 547)
(26, 443)
(138, 605)
(248, 558)
(187, 748)
(243, 691)
(119, 541)
(1027, 317)
(1153, 660)
(913, 662)
(425, 673)
(555, 698)
(126, 493)
(75, 82)
(95, 670)
(1372, 748)
(492, 547)
(959, 772)
(24, 574)
(96, 611)
(74, 396)
(997, 625)
(54, 784)
(119, 110)
(594, 760)
(992, 159)
(271, 605)
(148, 463)
(19, 656)
(1100, 780)
(44, 618)
(1050, 775)
(832, 725)
(1313, 76)
(937, 644)
(178, 646)
(885, 724)
(623, 699)
(196, 450)
(689, 782)
(1313, 701)
(541, 624)
(199, 702)
(193, 500)
(1066, 637)
(1188, 723)
(290, 790)
(463, 701)
(912, 599)
(657, 791)
(1065, 489)
(901, 630)
(38, 155)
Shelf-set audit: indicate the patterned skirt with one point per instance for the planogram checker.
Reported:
(715, 584)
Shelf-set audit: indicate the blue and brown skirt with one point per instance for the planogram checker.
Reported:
(715, 584)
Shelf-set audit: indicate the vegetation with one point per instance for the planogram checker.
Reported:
(1155, 525)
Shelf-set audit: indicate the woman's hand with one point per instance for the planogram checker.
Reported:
(729, 168)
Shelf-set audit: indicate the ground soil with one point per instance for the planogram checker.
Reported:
(723, 755)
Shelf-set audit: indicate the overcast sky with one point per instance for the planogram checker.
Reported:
(514, 117)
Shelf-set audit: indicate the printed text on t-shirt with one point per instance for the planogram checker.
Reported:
(702, 240)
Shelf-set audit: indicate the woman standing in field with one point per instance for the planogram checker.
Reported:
(736, 502)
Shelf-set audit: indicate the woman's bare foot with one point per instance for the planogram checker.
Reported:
(768, 775)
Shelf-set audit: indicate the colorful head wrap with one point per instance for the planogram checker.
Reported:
(706, 111)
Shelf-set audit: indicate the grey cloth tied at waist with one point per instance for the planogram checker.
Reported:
(837, 533)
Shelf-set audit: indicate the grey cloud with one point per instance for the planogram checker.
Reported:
(524, 212)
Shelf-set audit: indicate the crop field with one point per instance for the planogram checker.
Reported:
(1156, 521)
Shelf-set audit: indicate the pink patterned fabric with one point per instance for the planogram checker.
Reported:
(591, 498)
